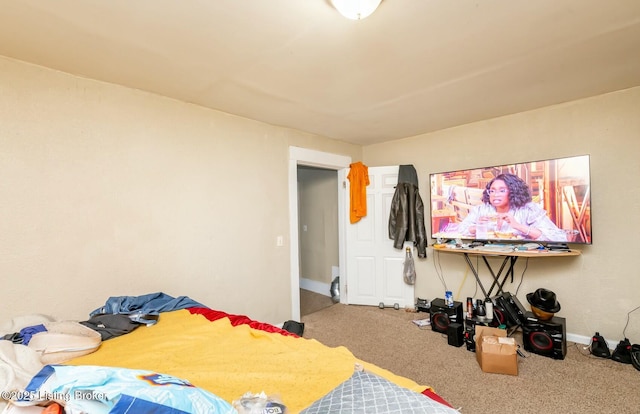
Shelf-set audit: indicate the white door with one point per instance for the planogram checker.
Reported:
(374, 266)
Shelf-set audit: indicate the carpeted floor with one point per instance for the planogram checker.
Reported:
(581, 383)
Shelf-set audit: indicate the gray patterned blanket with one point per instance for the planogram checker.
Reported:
(369, 394)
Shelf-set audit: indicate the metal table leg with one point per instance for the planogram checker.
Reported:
(475, 273)
(497, 283)
(496, 277)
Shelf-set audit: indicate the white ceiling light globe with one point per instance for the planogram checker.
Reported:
(356, 9)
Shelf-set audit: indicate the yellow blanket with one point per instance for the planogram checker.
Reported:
(230, 361)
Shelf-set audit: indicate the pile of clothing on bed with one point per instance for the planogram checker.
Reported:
(192, 359)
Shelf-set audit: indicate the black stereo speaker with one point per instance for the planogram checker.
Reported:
(455, 336)
(515, 312)
(442, 315)
(471, 323)
(547, 338)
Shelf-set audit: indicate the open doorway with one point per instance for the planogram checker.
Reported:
(322, 160)
(318, 244)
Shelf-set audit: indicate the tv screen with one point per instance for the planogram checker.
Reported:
(546, 201)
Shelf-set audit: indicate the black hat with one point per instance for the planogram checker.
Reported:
(544, 299)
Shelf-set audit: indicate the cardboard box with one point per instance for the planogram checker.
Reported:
(495, 352)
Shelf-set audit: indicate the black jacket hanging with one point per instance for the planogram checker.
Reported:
(406, 219)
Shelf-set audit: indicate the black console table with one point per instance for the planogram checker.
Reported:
(509, 255)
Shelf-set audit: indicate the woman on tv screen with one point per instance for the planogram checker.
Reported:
(508, 212)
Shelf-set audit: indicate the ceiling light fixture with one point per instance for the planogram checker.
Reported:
(356, 9)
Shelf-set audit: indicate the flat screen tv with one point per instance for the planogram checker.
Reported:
(547, 202)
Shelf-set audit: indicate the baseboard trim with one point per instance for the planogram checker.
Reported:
(586, 340)
(315, 286)
(579, 339)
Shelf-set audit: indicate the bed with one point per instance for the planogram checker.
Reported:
(227, 363)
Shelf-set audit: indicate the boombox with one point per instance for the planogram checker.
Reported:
(471, 323)
(442, 316)
(512, 308)
(547, 338)
(499, 318)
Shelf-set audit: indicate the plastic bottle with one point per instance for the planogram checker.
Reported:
(469, 308)
(489, 308)
(448, 298)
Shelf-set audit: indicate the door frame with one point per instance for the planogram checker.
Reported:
(313, 158)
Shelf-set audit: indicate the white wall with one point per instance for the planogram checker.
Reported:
(597, 289)
(108, 191)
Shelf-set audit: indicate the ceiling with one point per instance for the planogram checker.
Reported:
(413, 67)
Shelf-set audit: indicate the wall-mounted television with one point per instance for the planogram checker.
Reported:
(547, 201)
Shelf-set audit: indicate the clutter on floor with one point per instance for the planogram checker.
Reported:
(486, 326)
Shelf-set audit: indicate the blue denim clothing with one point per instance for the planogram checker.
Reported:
(143, 308)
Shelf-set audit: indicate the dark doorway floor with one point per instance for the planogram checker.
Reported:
(312, 302)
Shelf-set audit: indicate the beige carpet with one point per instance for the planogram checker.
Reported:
(580, 383)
